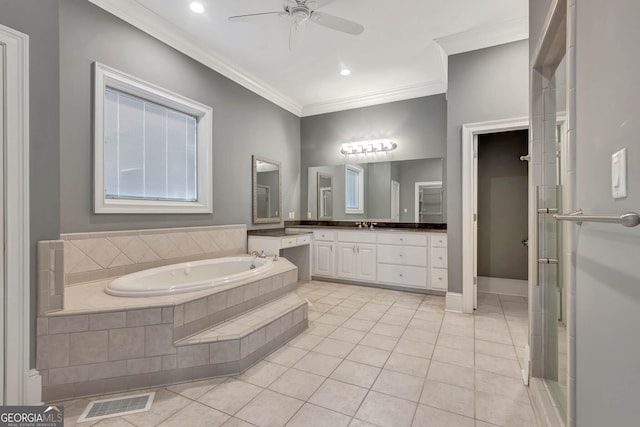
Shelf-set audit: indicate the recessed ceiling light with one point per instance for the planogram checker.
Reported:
(196, 7)
(345, 72)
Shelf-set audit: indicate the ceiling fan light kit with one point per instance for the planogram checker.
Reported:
(302, 11)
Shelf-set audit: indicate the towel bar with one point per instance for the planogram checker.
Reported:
(629, 219)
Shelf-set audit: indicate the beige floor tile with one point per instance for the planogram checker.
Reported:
(195, 414)
(368, 315)
(369, 356)
(382, 342)
(401, 311)
(343, 311)
(315, 416)
(386, 411)
(262, 374)
(426, 325)
(332, 319)
(334, 347)
(339, 396)
(348, 335)
(359, 423)
(426, 416)
(456, 357)
(113, 422)
(356, 373)
(320, 329)
(236, 422)
(193, 390)
(165, 404)
(448, 397)
(388, 330)
(496, 384)
(414, 348)
(494, 349)
(390, 319)
(456, 342)
(359, 324)
(287, 356)
(230, 396)
(493, 335)
(73, 409)
(298, 384)
(372, 306)
(411, 365)
(461, 331)
(318, 363)
(420, 335)
(305, 342)
(498, 365)
(452, 374)
(503, 411)
(399, 385)
(270, 409)
(430, 316)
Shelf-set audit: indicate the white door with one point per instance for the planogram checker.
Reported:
(323, 259)
(347, 261)
(395, 201)
(475, 222)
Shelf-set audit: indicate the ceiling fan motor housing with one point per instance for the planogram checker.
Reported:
(299, 13)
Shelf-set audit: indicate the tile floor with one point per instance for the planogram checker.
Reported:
(370, 357)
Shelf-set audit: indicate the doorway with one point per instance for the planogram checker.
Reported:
(502, 207)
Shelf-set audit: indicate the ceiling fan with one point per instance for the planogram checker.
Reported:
(302, 11)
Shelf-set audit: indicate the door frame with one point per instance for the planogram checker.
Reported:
(470, 132)
(16, 221)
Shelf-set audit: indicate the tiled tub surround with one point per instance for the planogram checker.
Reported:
(131, 343)
(91, 343)
(82, 257)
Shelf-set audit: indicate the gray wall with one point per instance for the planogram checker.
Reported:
(243, 124)
(607, 267)
(39, 20)
(486, 84)
(502, 205)
(378, 191)
(418, 125)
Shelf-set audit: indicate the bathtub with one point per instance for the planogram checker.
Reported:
(187, 276)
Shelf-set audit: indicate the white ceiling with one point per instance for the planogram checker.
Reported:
(401, 54)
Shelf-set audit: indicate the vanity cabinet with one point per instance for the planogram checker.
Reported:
(357, 256)
(408, 259)
(323, 259)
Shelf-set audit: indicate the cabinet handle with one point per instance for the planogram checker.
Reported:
(331, 247)
(401, 239)
(358, 249)
(440, 258)
(400, 255)
(401, 275)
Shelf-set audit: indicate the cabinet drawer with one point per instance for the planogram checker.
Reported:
(287, 242)
(323, 235)
(357, 236)
(402, 275)
(438, 240)
(439, 257)
(439, 279)
(404, 255)
(413, 239)
(305, 239)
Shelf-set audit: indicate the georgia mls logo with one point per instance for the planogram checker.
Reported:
(31, 416)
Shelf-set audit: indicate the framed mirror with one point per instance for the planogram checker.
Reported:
(267, 190)
(325, 197)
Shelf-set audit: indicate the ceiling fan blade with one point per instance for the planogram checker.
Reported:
(337, 23)
(317, 4)
(253, 15)
(296, 35)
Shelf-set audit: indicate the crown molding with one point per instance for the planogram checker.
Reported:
(482, 37)
(170, 34)
(374, 98)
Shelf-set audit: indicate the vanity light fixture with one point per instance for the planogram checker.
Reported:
(196, 7)
(345, 72)
(365, 147)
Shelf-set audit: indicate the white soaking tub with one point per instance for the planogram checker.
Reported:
(188, 276)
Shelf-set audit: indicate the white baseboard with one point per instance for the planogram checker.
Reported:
(34, 388)
(495, 285)
(453, 302)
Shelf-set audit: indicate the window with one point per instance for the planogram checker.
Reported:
(152, 148)
(354, 190)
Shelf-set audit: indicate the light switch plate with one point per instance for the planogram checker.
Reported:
(619, 174)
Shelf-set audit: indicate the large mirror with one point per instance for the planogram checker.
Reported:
(267, 190)
(325, 196)
(392, 191)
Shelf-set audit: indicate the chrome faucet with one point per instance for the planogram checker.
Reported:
(372, 224)
(255, 254)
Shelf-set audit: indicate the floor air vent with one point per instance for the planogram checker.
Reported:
(116, 407)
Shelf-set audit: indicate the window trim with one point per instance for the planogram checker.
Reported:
(360, 171)
(104, 77)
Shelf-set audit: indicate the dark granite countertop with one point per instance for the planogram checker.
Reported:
(400, 226)
(274, 232)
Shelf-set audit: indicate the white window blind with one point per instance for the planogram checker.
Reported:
(150, 151)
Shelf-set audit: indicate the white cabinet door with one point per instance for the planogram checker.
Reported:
(347, 261)
(366, 262)
(323, 259)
